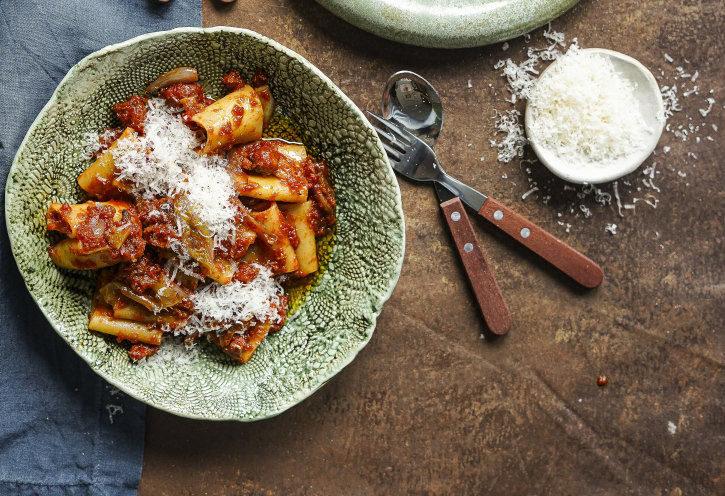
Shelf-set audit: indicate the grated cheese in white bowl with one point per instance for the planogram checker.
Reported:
(594, 116)
(688, 130)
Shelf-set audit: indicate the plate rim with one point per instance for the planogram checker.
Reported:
(408, 29)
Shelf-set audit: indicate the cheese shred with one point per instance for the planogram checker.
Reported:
(165, 162)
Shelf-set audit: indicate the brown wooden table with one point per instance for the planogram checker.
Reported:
(429, 407)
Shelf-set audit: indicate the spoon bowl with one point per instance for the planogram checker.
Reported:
(413, 103)
(648, 96)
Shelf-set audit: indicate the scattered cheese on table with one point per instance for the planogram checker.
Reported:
(686, 125)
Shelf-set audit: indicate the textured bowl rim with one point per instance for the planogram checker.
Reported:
(377, 306)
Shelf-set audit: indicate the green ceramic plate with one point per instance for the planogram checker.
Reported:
(448, 23)
(334, 318)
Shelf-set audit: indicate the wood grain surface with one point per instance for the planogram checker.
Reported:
(436, 405)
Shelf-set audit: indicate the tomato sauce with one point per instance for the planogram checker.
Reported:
(174, 94)
(238, 113)
(141, 274)
(58, 220)
(190, 96)
(233, 80)
(260, 78)
(107, 138)
(98, 230)
(246, 272)
(140, 350)
(289, 230)
(322, 215)
(159, 221)
(235, 246)
(265, 159)
(226, 130)
(132, 112)
(281, 309)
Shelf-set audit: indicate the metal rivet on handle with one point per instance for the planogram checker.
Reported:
(468, 247)
(525, 233)
(455, 216)
(498, 215)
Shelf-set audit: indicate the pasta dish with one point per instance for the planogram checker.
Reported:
(194, 221)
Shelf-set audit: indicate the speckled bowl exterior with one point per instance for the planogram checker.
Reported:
(448, 23)
(337, 314)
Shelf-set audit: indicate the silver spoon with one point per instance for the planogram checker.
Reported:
(413, 104)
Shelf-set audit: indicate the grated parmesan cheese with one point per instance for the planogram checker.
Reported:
(165, 162)
(671, 427)
(710, 103)
(234, 303)
(619, 200)
(529, 192)
(171, 351)
(670, 100)
(514, 140)
(93, 142)
(585, 112)
(218, 307)
(113, 410)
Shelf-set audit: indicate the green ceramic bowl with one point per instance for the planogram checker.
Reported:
(448, 23)
(334, 318)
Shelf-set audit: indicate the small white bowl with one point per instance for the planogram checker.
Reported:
(647, 93)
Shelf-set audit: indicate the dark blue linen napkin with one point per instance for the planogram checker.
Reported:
(63, 430)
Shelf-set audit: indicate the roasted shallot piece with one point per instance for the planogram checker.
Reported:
(178, 75)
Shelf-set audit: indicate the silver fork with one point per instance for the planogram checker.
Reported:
(491, 302)
(414, 159)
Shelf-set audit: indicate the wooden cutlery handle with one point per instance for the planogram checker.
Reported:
(490, 300)
(560, 255)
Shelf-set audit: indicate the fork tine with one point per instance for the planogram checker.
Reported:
(382, 133)
(393, 154)
(393, 146)
(400, 134)
(389, 139)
